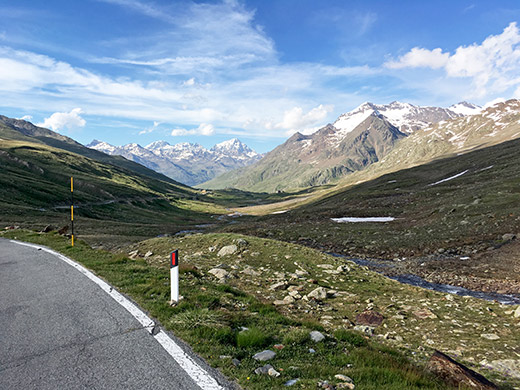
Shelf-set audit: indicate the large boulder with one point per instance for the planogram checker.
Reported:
(227, 250)
(457, 374)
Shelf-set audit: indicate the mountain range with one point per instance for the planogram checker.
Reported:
(354, 141)
(187, 163)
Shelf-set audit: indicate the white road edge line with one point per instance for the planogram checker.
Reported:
(194, 370)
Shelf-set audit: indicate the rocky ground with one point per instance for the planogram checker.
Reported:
(306, 284)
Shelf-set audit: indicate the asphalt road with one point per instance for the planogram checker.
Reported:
(60, 330)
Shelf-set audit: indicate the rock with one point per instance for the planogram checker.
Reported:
(63, 230)
(148, 254)
(343, 268)
(235, 362)
(369, 318)
(312, 350)
(291, 382)
(250, 271)
(286, 301)
(489, 336)
(241, 242)
(368, 330)
(319, 293)
(516, 313)
(457, 374)
(279, 347)
(325, 266)
(219, 273)
(133, 254)
(345, 385)
(507, 366)
(212, 248)
(263, 370)
(227, 250)
(278, 286)
(272, 372)
(325, 385)
(295, 294)
(301, 272)
(264, 355)
(508, 237)
(47, 229)
(343, 378)
(424, 314)
(316, 336)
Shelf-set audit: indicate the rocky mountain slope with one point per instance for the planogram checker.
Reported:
(354, 141)
(187, 163)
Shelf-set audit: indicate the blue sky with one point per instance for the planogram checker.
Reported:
(205, 71)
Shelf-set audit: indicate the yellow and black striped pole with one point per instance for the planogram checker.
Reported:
(72, 207)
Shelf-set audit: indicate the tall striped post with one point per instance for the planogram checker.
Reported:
(174, 276)
(72, 207)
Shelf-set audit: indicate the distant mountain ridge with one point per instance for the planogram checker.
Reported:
(354, 141)
(185, 162)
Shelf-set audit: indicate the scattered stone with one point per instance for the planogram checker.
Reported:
(301, 272)
(250, 271)
(212, 248)
(326, 385)
(449, 297)
(325, 266)
(508, 237)
(279, 286)
(264, 355)
(424, 313)
(316, 336)
(312, 350)
(516, 313)
(489, 336)
(47, 229)
(319, 293)
(63, 230)
(345, 385)
(219, 273)
(295, 294)
(235, 362)
(227, 250)
(148, 254)
(368, 330)
(507, 366)
(272, 372)
(291, 382)
(343, 268)
(343, 378)
(241, 242)
(457, 374)
(133, 254)
(369, 318)
(286, 301)
(263, 370)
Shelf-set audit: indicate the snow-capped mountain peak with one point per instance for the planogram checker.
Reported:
(465, 108)
(185, 162)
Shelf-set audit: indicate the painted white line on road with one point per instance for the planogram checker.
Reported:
(185, 361)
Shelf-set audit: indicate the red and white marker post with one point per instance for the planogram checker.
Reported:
(174, 276)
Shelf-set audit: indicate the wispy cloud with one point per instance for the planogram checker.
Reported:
(492, 66)
(204, 129)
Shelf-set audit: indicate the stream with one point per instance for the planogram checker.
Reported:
(414, 280)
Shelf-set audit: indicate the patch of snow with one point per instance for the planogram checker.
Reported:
(486, 168)
(280, 212)
(363, 219)
(449, 178)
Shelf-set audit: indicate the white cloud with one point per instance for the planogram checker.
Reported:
(418, 57)
(492, 66)
(204, 129)
(64, 120)
(296, 120)
(26, 118)
(150, 129)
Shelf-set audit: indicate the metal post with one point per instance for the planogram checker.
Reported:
(174, 275)
(72, 208)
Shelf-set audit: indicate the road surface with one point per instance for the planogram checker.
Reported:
(61, 330)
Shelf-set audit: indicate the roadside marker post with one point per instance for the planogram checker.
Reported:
(72, 208)
(174, 276)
